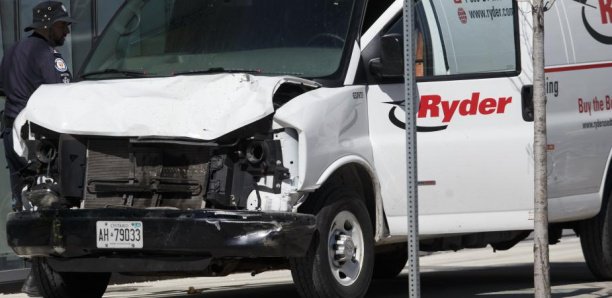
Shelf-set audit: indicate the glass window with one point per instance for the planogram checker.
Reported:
(478, 36)
(422, 61)
(25, 16)
(1, 39)
(8, 260)
(304, 37)
(374, 10)
(105, 11)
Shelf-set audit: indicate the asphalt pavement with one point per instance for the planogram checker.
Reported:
(467, 273)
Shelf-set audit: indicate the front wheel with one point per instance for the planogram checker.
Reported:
(596, 242)
(339, 262)
(53, 284)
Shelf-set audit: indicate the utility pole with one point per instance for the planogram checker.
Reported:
(414, 280)
(540, 249)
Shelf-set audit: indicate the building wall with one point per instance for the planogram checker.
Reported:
(92, 17)
(15, 15)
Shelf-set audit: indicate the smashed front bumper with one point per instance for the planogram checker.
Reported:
(168, 235)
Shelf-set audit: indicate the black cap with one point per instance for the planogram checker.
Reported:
(48, 12)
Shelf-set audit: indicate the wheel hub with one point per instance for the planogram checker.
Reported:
(345, 249)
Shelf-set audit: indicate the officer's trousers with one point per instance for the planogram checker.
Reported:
(15, 165)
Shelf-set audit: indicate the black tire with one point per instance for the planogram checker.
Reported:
(52, 284)
(390, 263)
(596, 242)
(344, 220)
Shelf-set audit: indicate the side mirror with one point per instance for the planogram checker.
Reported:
(390, 64)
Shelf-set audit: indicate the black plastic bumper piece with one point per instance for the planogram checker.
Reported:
(169, 233)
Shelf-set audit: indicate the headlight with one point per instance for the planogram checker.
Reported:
(256, 152)
(45, 151)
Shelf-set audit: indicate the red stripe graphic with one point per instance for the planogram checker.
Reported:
(578, 67)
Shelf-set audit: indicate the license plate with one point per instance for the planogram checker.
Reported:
(119, 234)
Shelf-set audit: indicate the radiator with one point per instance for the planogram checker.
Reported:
(120, 173)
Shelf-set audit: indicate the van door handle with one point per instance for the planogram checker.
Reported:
(527, 101)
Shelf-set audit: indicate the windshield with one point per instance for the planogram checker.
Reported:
(303, 38)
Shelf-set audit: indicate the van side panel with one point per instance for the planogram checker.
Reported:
(579, 110)
(475, 160)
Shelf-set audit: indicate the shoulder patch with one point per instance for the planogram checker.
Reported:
(60, 65)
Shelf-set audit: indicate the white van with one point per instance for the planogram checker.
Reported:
(210, 137)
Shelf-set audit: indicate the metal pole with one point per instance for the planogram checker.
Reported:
(414, 289)
(540, 249)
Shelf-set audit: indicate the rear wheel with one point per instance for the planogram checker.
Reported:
(340, 260)
(53, 284)
(596, 241)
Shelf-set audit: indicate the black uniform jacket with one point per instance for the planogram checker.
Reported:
(25, 66)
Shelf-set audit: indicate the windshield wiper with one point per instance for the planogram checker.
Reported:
(218, 70)
(125, 72)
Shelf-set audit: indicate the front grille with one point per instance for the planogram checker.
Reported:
(120, 173)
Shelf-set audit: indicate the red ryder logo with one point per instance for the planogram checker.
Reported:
(605, 7)
(605, 12)
(433, 106)
(463, 15)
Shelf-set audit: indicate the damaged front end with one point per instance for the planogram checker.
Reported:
(172, 242)
(146, 204)
(231, 172)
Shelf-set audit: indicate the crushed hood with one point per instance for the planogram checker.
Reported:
(199, 107)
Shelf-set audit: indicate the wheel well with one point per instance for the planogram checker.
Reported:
(355, 177)
(607, 186)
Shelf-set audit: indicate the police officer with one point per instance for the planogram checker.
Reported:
(25, 66)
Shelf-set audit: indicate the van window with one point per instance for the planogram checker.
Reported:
(276, 37)
(477, 36)
(105, 10)
(373, 11)
(422, 60)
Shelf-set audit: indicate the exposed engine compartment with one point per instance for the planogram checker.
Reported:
(236, 171)
(152, 172)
